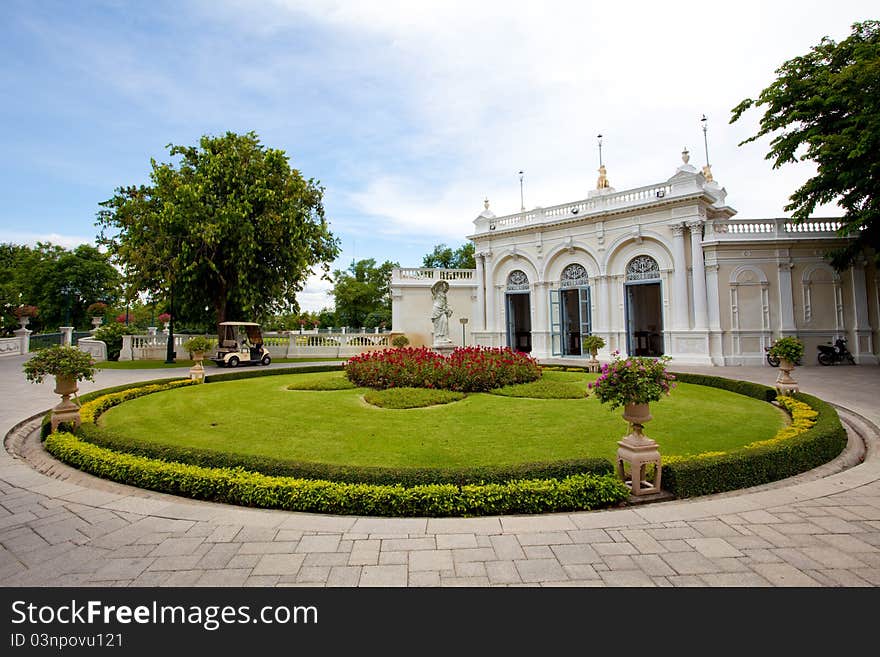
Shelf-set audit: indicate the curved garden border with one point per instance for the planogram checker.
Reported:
(514, 491)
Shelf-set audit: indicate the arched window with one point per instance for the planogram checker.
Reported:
(517, 281)
(574, 276)
(643, 268)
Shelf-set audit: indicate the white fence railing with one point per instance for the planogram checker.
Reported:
(762, 229)
(287, 345)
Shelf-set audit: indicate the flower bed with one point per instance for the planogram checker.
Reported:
(467, 369)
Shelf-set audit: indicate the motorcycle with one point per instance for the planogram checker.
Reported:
(837, 353)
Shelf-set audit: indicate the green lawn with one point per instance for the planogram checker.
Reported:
(181, 362)
(261, 416)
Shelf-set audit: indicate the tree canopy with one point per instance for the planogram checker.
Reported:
(362, 294)
(231, 226)
(445, 257)
(824, 106)
(60, 282)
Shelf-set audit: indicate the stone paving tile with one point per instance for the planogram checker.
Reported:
(392, 545)
(279, 564)
(393, 576)
(150, 578)
(671, 533)
(538, 552)
(580, 572)
(223, 534)
(652, 565)
(871, 575)
(506, 547)
(846, 543)
(543, 538)
(116, 568)
(344, 576)
(319, 543)
(255, 534)
(832, 558)
(425, 578)
(261, 581)
(462, 555)
(268, 547)
(642, 541)
(676, 545)
(173, 547)
(244, 561)
(627, 578)
(614, 548)
(784, 574)
(430, 560)
(449, 541)
(713, 547)
(735, 580)
(175, 563)
(218, 555)
(619, 562)
(471, 569)
(502, 572)
(713, 528)
(689, 563)
(326, 559)
(395, 557)
(540, 570)
(687, 581)
(225, 577)
(575, 554)
(313, 574)
(589, 536)
(465, 582)
(365, 553)
(748, 542)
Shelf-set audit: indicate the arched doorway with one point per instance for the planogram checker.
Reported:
(570, 311)
(643, 307)
(519, 315)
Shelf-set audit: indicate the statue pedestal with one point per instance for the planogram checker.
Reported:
(444, 349)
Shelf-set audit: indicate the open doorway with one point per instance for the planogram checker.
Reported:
(644, 319)
(519, 322)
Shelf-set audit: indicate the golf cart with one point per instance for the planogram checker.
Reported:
(241, 343)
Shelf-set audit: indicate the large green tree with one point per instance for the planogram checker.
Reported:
(61, 282)
(824, 106)
(362, 294)
(446, 258)
(230, 226)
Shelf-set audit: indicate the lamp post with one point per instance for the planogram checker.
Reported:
(705, 122)
(522, 203)
(599, 139)
(464, 321)
(169, 350)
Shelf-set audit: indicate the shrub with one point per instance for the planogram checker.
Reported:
(466, 369)
(60, 360)
(399, 341)
(636, 380)
(26, 311)
(578, 492)
(788, 348)
(198, 343)
(97, 309)
(399, 398)
(593, 343)
(111, 334)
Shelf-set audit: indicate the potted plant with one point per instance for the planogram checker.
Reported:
(24, 313)
(197, 346)
(592, 344)
(97, 311)
(68, 365)
(399, 341)
(634, 383)
(788, 351)
(165, 318)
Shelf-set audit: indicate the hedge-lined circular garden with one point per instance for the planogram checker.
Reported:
(499, 486)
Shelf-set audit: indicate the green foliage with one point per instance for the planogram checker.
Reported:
(634, 380)
(199, 343)
(362, 295)
(746, 388)
(578, 492)
(250, 374)
(788, 348)
(411, 397)
(61, 282)
(231, 225)
(768, 462)
(60, 360)
(824, 106)
(543, 389)
(444, 257)
(593, 343)
(399, 341)
(111, 334)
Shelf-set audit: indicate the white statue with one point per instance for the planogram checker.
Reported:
(440, 312)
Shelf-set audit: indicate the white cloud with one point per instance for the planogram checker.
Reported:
(315, 295)
(31, 239)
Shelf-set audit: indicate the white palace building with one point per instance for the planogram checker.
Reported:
(660, 269)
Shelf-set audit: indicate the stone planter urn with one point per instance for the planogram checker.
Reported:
(97, 321)
(66, 412)
(24, 321)
(785, 384)
(639, 451)
(197, 371)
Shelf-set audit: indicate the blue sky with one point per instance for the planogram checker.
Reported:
(409, 113)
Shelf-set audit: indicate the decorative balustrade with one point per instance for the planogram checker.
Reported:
(782, 228)
(427, 273)
(637, 196)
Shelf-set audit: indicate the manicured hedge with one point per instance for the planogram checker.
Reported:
(770, 461)
(236, 486)
(747, 388)
(266, 371)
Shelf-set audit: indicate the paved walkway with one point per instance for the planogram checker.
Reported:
(820, 529)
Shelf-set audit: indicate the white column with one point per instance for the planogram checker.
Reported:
(679, 280)
(603, 305)
(786, 300)
(861, 343)
(713, 297)
(480, 319)
(699, 273)
(66, 335)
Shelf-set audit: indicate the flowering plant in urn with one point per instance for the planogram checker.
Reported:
(636, 380)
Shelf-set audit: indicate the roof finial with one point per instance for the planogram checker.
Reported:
(707, 170)
(486, 202)
(685, 155)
